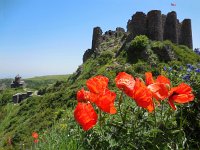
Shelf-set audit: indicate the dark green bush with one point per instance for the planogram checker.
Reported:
(139, 42)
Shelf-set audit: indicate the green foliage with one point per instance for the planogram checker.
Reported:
(139, 42)
(62, 135)
(6, 95)
(4, 83)
(184, 54)
(157, 44)
(105, 57)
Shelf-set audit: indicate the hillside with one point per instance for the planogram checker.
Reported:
(51, 114)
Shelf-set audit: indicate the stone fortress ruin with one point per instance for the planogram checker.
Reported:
(18, 97)
(155, 25)
(17, 82)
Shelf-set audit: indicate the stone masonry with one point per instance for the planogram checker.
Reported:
(155, 25)
(161, 27)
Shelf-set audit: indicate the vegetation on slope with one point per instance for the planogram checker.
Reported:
(51, 114)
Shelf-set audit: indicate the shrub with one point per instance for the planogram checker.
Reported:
(140, 42)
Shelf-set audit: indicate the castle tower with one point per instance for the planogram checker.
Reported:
(163, 21)
(154, 25)
(137, 26)
(171, 27)
(186, 33)
(96, 38)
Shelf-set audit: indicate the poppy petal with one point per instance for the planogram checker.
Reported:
(183, 88)
(83, 96)
(35, 135)
(85, 115)
(106, 102)
(148, 78)
(143, 96)
(163, 79)
(171, 104)
(159, 90)
(36, 141)
(125, 82)
(97, 84)
(180, 94)
(183, 98)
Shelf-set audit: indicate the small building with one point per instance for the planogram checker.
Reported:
(17, 82)
(18, 97)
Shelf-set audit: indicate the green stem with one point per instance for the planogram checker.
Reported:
(120, 98)
(162, 110)
(155, 114)
(100, 118)
(181, 119)
(167, 117)
(119, 105)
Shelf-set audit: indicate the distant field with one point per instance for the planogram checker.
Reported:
(48, 77)
(35, 82)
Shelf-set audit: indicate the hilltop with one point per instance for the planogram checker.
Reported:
(51, 113)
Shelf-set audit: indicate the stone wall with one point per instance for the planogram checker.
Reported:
(154, 25)
(186, 33)
(137, 26)
(158, 26)
(111, 37)
(17, 98)
(171, 27)
(96, 38)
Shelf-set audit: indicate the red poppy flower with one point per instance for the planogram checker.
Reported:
(125, 82)
(35, 135)
(180, 94)
(143, 96)
(36, 141)
(148, 78)
(83, 96)
(159, 88)
(98, 94)
(105, 101)
(163, 79)
(97, 84)
(85, 115)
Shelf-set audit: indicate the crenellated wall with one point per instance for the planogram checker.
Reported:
(155, 25)
(186, 33)
(137, 26)
(158, 26)
(96, 38)
(99, 37)
(171, 27)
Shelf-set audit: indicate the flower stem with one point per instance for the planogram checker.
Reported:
(162, 107)
(181, 119)
(100, 118)
(155, 114)
(119, 105)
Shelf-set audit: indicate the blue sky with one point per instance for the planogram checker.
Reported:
(43, 37)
